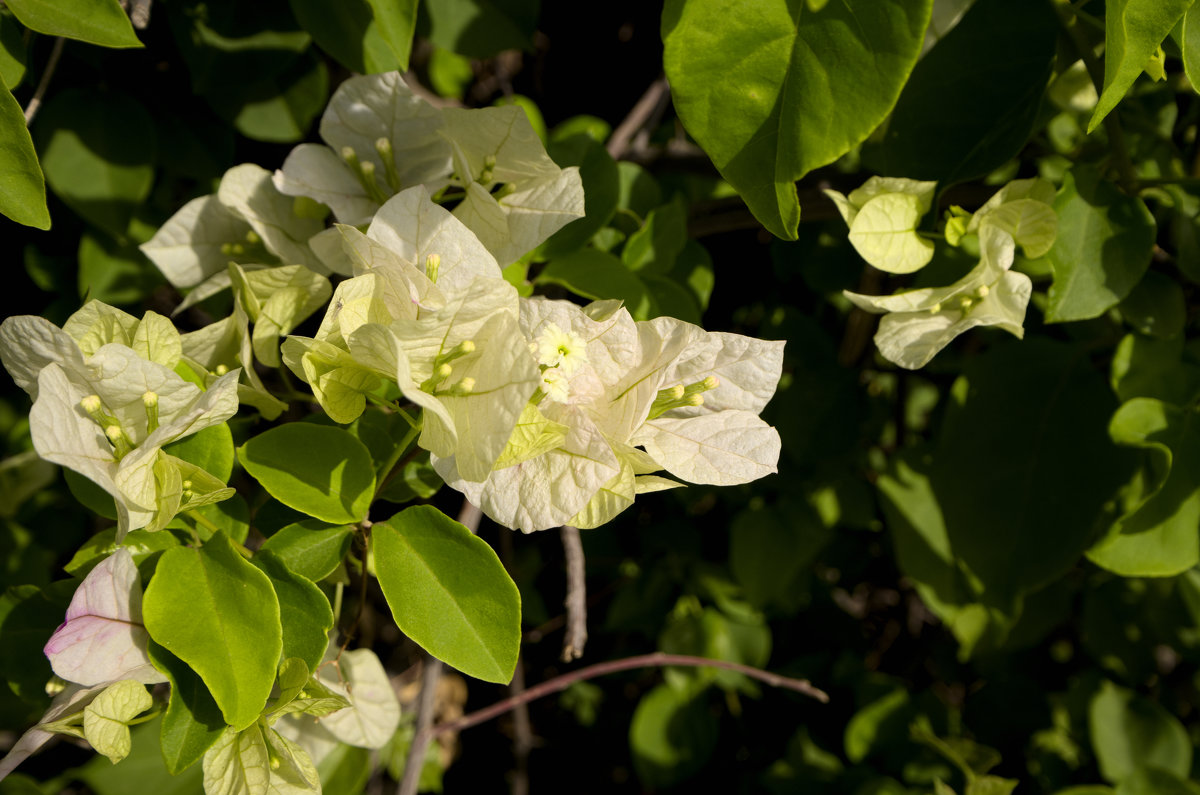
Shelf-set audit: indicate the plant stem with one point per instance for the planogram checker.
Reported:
(44, 83)
(564, 681)
(576, 601)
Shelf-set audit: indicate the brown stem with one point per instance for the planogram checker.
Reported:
(645, 109)
(564, 681)
(576, 601)
(32, 108)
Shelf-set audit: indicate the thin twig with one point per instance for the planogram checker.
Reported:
(416, 752)
(576, 601)
(44, 83)
(469, 517)
(645, 109)
(564, 681)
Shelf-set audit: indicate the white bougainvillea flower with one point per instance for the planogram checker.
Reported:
(103, 638)
(919, 323)
(1023, 209)
(381, 140)
(106, 414)
(639, 397)
(224, 345)
(515, 195)
(883, 215)
(247, 221)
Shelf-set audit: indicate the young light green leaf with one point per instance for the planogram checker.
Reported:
(1156, 537)
(775, 110)
(449, 592)
(1104, 243)
(1133, 30)
(884, 233)
(304, 612)
(101, 22)
(238, 763)
(106, 719)
(532, 436)
(193, 721)
(373, 714)
(322, 471)
(219, 614)
(24, 196)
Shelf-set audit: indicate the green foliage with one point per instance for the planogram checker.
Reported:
(777, 108)
(449, 592)
(101, 22)
(24, 197)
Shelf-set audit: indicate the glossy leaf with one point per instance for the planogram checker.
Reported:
(972, 101)
(322, 471)
(101, 22)
(1133, 30)
(193, 721)
(449, 592)
(1047, 471)
(24, 196)
(348, 32)
(219, 614)
(397, 21)
(98, 151)
(779, 108)
(304, 612)
(1157, 535)
(310, 548)
(1104, 243)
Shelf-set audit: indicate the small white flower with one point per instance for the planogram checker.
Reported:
(564, 351)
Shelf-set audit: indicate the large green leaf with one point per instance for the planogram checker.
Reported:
(772, 90)
(1024, 465)
(1133, 30)
(972, 101)
(1104, 243)
(322, 471)
(100, 22)
(304, 612)
(13, 53)
(1157, 535)
(98, 151)
(1130, 732)
(214, 610)
(23, 198)
(449, 592)
(193, 721)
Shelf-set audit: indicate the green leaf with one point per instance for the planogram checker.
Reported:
(1024, 464)
(304, 612)
(112, 272)
(449, 592)
(598, 171)
(100, 22)
(106, 719)
(218, 613)
(653, 248)
(773, 94)
(885, 717)
(239, 763)
(768, 550)
(1129, 732)
(1190, 45)
(322, 471)
(481, 28)
(1154, 368)
(278, 109)
(349, 32)
(418, 480)
(98, 151)
(24, 196)
(193, 721)
(672, 736)
(983, 83)
(311, 548)
(140, 543)
(1133, 30)
(397, 20)
(596, 274)
(1104, 243)
(1157, 535)
(1156, 306)
(12, 52)
(1154, 781)
(211, 449)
